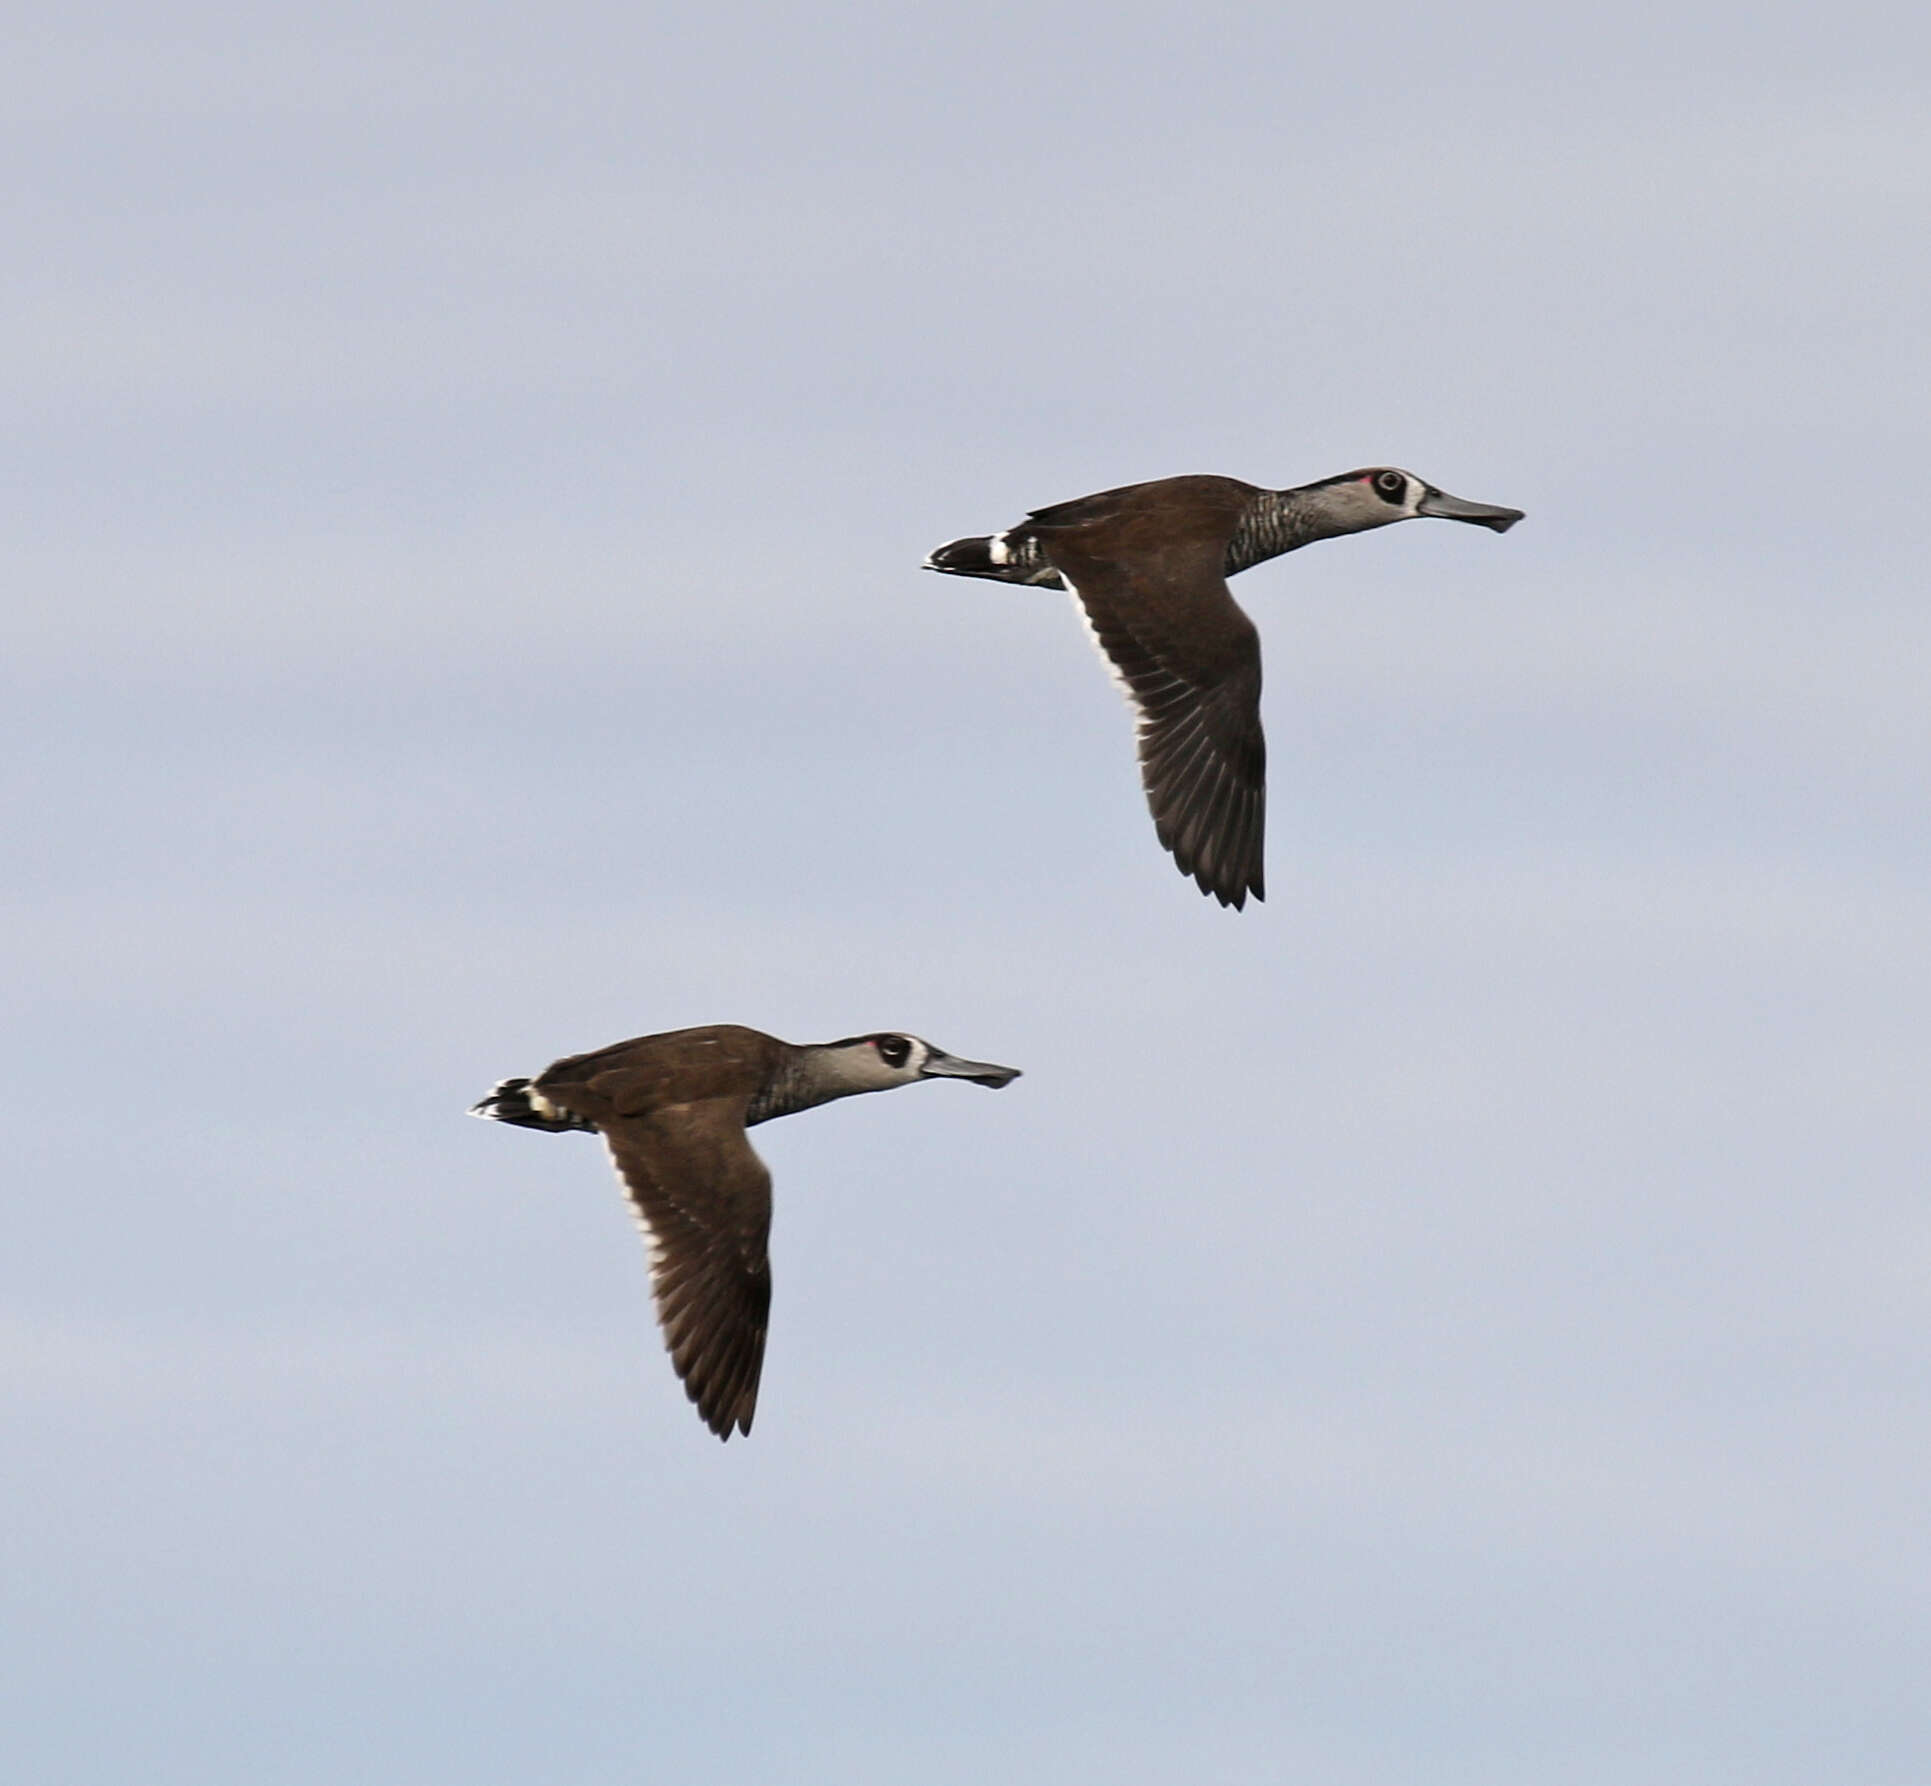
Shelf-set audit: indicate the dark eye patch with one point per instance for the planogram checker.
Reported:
(1390, 485)
(894, 1051)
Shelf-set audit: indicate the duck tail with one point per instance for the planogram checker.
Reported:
(996, 555)
(516, 1101)
(965, 558)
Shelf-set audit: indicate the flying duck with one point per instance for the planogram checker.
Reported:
(673, 1110)
(1148, 567)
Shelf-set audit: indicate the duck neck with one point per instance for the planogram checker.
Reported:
(1278, 521)
(787, 1091)
(802, 1081)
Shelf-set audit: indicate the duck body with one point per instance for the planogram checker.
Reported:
(1021, 554)
(673, 1110)
(1147, 565)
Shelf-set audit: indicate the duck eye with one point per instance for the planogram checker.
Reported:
(894, 1051)
(1391, 483)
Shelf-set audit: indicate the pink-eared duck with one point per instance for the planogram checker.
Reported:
(1148, 566)
(673, 1110)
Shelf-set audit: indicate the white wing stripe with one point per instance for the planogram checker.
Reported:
(1112, 669)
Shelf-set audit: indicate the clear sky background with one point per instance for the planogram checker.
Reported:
(1463, 1321)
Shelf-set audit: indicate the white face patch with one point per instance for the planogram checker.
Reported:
(542, 1105)
(1358, 504)
(1412, 491)
(907, 1070)
(997, 549)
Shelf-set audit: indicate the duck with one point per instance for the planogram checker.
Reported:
(673, 1110)
(1147, 566)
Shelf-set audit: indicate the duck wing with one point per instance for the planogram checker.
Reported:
(703, 1199)
(1146, 565)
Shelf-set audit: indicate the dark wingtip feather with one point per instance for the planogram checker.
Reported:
(718, 1360)
(1216, 847)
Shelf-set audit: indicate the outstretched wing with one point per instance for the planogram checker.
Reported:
(1146, 567)
(703, 1198)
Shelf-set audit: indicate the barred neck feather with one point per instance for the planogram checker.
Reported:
(1278, 521)
(784, 1093)
(816, 1073)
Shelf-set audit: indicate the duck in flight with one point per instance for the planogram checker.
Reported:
(673, 1110)
(1148, 566)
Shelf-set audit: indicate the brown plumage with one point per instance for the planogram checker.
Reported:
(673, 1110)
(1148, 576)
(1148, 565)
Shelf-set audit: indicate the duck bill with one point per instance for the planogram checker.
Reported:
(1440, 506)
(983, 1072)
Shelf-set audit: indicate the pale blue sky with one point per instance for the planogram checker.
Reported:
(1465, 1320)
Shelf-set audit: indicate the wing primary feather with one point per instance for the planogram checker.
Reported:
(1209, 826)
(1146, 566)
